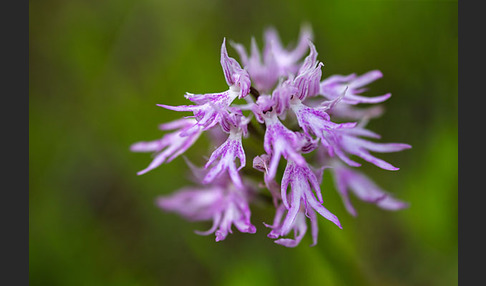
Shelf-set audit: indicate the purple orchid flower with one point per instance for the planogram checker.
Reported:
(302, 181)
(276, 62)
(295, 219)
(305, 84)
(315, 121)
(347, 141)
(209, 110)
(209, 107)
(235, 76)
(335, 85)
(364, 188)
(222, 202)
(228, 152)
(287, 59)
(299, 226)
(308, 78)
(171, 145)
(279, 140)
(264, 74)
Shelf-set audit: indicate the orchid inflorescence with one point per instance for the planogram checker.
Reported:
(281, 101)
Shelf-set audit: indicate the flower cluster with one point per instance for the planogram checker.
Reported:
(305, 123)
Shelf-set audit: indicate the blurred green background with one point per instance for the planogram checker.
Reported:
(97, 69)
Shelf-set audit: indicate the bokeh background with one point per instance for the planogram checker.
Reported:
(97, 69)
